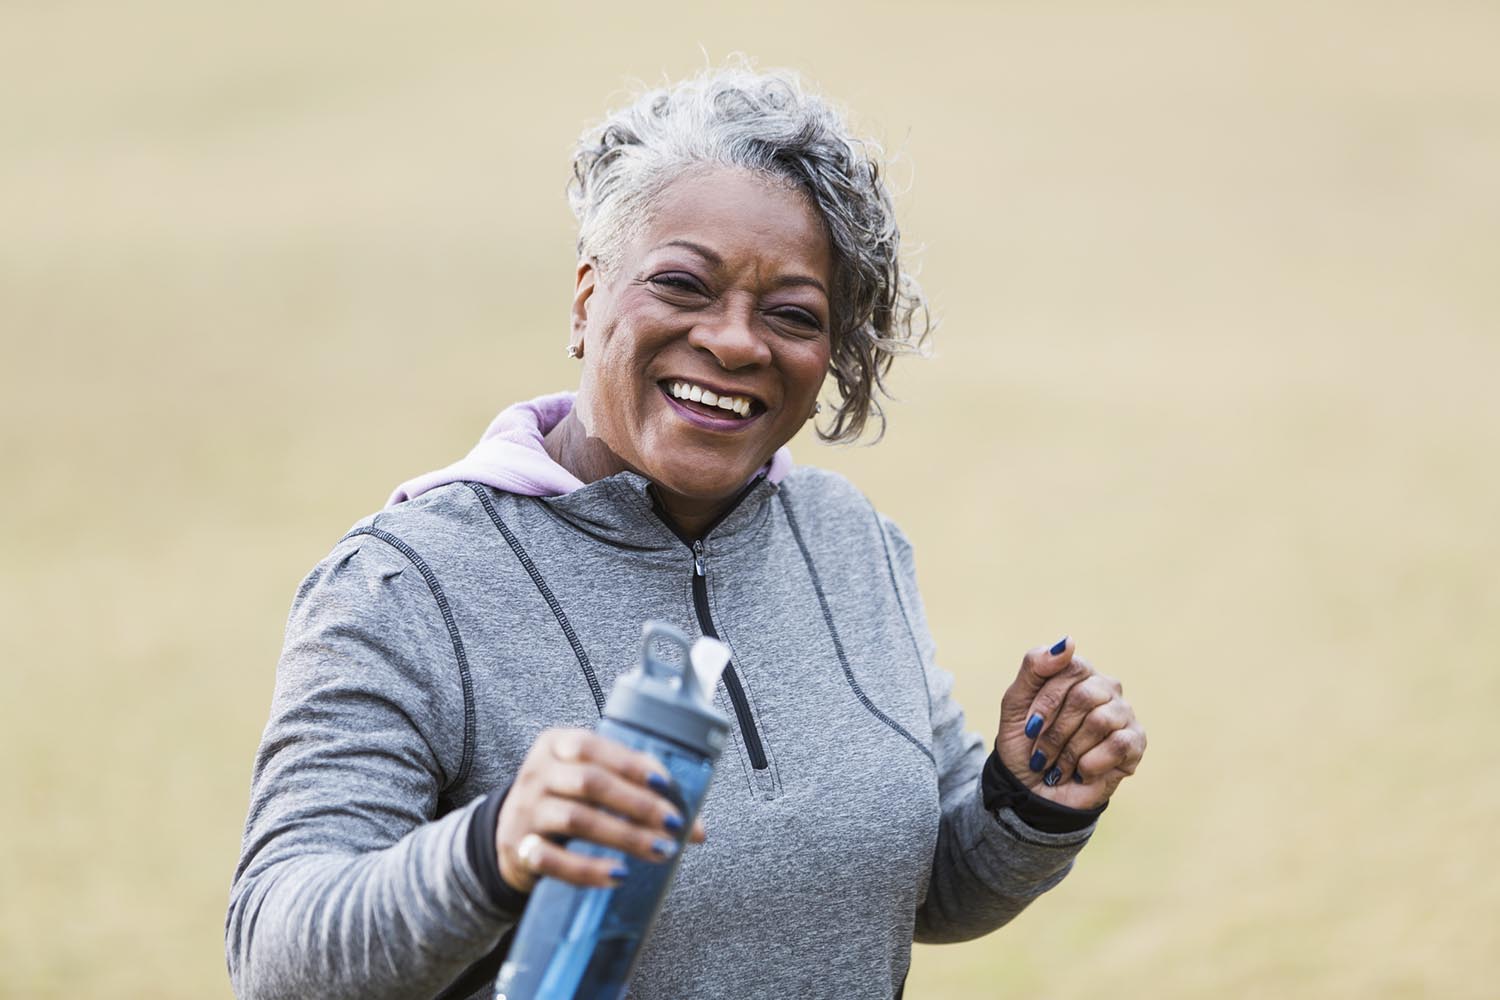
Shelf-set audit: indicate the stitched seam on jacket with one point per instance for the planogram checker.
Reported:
(466, 760)
(885, 543)
(838, 645)
(546, 592)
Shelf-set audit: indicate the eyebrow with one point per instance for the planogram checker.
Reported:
(718, 261)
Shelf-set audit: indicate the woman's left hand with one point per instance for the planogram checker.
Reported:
(1066, 730)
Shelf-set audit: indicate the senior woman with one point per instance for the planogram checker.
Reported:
(429, 745)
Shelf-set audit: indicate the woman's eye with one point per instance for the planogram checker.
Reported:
(676, 283)
(801, 317)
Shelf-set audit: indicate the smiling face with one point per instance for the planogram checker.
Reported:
(724, 292)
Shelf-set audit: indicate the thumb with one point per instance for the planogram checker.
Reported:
(1037, 667)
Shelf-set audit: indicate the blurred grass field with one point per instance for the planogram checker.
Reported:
(1215, 392)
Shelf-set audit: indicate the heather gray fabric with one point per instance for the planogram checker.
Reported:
(422, 660)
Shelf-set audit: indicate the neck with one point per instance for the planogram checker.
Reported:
(692, 517)
(590, 460)
(570, 446)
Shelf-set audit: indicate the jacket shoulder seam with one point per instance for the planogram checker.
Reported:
(465, 678)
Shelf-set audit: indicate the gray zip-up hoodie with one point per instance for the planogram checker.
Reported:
(427, 651)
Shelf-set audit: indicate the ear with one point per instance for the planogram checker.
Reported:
(583, 290)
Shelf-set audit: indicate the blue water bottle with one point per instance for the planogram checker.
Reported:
(583, 943)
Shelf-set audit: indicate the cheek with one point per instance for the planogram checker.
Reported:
(618, 397)
(807, 367)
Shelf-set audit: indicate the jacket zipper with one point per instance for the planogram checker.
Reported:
(732, 683)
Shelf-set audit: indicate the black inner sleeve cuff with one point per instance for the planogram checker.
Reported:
(1001, 789)
(480, 844)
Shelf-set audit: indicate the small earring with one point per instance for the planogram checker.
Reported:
(817, 409)
(574, 352)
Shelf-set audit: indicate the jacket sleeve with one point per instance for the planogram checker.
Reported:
(346, 884)
(987, 866)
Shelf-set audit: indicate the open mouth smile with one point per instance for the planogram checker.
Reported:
(709, 408)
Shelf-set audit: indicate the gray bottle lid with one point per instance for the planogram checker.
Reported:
(666, 699)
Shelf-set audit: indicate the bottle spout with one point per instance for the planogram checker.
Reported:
(656, 638)
(709, 658)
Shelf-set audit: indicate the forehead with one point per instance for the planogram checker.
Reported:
(743, 217)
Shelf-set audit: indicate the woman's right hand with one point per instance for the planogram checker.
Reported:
(576, 783)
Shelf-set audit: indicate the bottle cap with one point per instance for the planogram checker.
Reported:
(674, 700)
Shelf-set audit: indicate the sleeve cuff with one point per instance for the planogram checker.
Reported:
(480, 843)
(1002, 789)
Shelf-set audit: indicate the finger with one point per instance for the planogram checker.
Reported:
(595, 783)
(1045, 705)
(546, 859)
(573, 819)
(1037, 667)
(1064, 721)
(1121, 750)
(584, 746)
(1094, 728)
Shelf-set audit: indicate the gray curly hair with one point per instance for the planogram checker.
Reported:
(768, 123)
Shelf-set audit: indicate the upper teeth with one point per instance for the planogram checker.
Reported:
(698, 394)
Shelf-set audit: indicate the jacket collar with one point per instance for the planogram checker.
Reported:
(621, 511)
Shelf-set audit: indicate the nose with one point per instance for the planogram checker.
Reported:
(732, 336)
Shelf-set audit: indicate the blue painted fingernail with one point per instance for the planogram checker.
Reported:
(1077, 778)
(1033, 726)
(1059, 646)
(619, 872)
(658, 782)
(1038, 760)
(664, 847)
(1053, 776)
(673, 823)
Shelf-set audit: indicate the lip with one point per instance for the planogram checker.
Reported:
(724, 425)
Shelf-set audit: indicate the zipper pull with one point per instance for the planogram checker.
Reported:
(698, 568)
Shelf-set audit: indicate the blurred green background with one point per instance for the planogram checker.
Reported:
(1215, 392)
